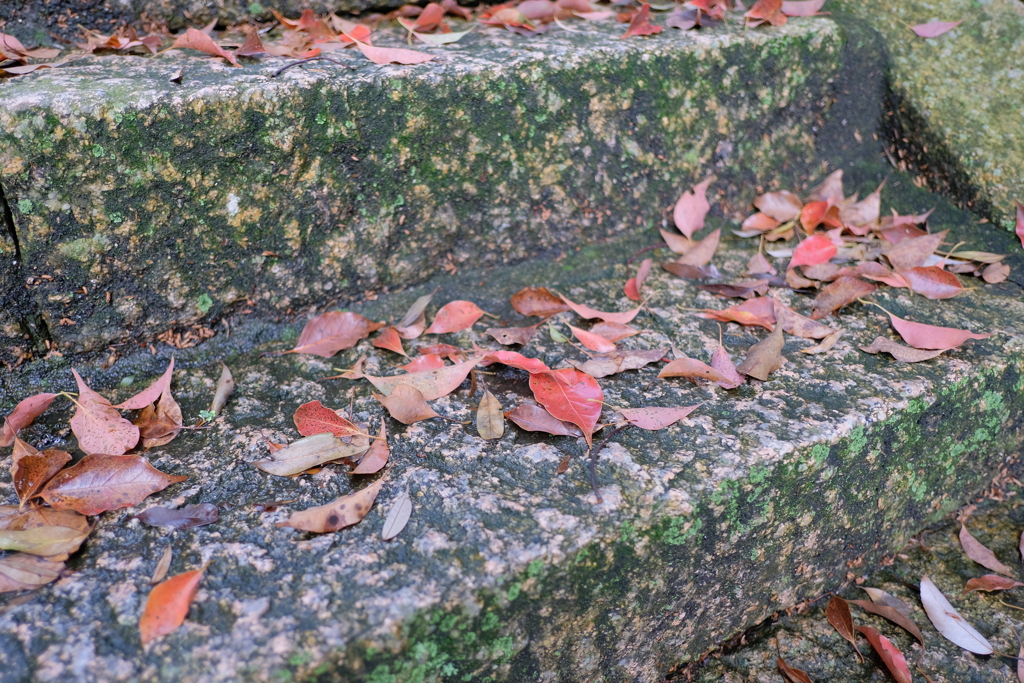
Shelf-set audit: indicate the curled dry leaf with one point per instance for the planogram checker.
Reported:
(759, 264)
(315, 418)
(641, 25)
(101, 482)
(594, 342)
(311, 451)
(656, 418)
(881, 597)
(570, 395)
(721, 362)
(507, 336)
(792, 674)
(533, 418)
(977, 551)
(168, 603)
(759, 311)
(150, 394)
(194, 39)
(991, 582)
(334, 331)
(843, 291)
(162, 565)
(864, 212)
(377, 456)
(389, 339)
(781, 206)
(913, 252)
(933, 29)
(414, 321)
(623, 318)
(691, 368)
(455, 317)
(21, 572)
(922, 336)
(995, 273)
(797, 325)
(225, 387)
(186, 517)
(764, 357)
(338, 514)
(30, 472)
(904, 354)
(23, 415)
(159, 423)
(406, 404)
(894, 660)
(701, 253)
(680, 244)
(612, 363)
(837, 612)
(431, 383)
(948, 621)
(538, 301)
(892, 614)
(398, 517)
(692, 208)
(98, 425)
(490, 422)
(825, 344)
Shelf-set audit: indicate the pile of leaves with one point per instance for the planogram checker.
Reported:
(941, 613)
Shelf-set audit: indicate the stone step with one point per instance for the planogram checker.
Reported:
(239, 190)
(764, 497)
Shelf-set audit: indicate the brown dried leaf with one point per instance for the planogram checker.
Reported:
(721, 362)
(150, 394)
(791, 674)
(21, 571)
(534, 418)
(607, 364)
(538, 301)
(892, 614)
(798, 325)
(837, 612)
(431, 383)
(904, 354)
(406, 404)
(377, 456)
(825, 344)
(44, 541)
(913, 252)
(163, 565)
(338, 514)
(455, 316)
(507, 336)
(185, 517)
(195, 39)
(991, 582)
(103, 482)
(759, 311)
(691, 368)
(159, 424)
(701, 253)
(311, 451)
(225, 387)
(613, 332)
(98, 425)
(656, 418)
(22, 416)
(995, 273)
(782, 206)
(894, 660)
(843, 291)
(490, 422)
(764, 357)
(31, 472)
(980, 554)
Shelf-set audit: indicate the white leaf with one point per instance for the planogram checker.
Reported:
(398, 517)
(948, 622)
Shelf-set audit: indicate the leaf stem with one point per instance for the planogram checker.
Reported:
(594, 452)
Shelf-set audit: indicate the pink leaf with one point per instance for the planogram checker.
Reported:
(151, 393)
(935, 28)
(389, 339)
(330, 332)
(922, 336)
(455, 317)
(194, 39)
(692, 208)
(592, 341)
(640, 26)
(636, 284)
(813, 250)
(388, 55)
(623, 318)
(801, 8)
(1020, 223)
(656, 418)
(98, 425)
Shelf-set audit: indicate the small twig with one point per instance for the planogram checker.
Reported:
(653, 247)
(310, 59)
(594, 452)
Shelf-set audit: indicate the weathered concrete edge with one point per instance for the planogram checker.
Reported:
(548, 624)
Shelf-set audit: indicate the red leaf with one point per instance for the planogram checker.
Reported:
(1020, 222)
(315, 418)
(517, 360)
(592, 341)
(656, 418)
(635, 284)
(623, 318)
(98, 426)
(890, 654)
(692, 208)
(377, 456)
(934, 29)
(22, 416)
(570, 395)
(792, 674)
(759, 311)
(105, 482)
(539, 302)
(194, 39)
(932, 282)
(455, 317)
(168, 603)
(640, 26)
(922, 336)
(389, 339)
(430, 361)
(334, 331)
(150, 394)
(389, 55)
(533, 418)
(431, 383)
(812, 251)
(31, 471)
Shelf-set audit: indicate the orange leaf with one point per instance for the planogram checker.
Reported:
(640, 25)
(623, 318)
(22, 416)
(691, 368)
(105, 482)
(635, 284)
(330, 332)
(570, 395)
(98, 425)
(455, 317)
(151, 393)
(759, 311)
(377, 456)
(542, 303)
(194, 39)
(843, 291)
(338, 514)
(430, 361)
(388, 55)
(30, 472)
(812, 251)
(168, 603)
(894, 660)
(592, 341)
(389, 339)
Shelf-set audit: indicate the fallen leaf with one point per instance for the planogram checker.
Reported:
(452, 353)
(825, 344)
(634, 286)
(792, 675)
(407, 405)
(315, 418)
(995, 273)
(691, 272)
(23, 415)
(150, 394)
(913, 252)
(431, 361)
(721, 362)
(894, 660)
(22, 572)
(623, 318)
(904, 354)
(334, 331)
(615, 362)
(44, 541)
(991, 582)
(311, 451)
(933, 29)
(1020, 222)
(101, 482)
(932, 282)
(389, 339)
(225, 387)
(252, 45)
(438, 38)
(391, 55)
(764, 357)
(338, 514)
(570, 395)
(747, 289)
(162, 565)
(782, 206)
(949, 623)
(455, 317)
(656, 418)
(814, 250)
(758, 265)
(873, 270)
(880, 597)
(185, 517)
(691, 368)
(490, 423)
(802, 8)
(864, 212)
(798, 325)
(759, 311)
(398, 517)
(640, 25)
(168, 603)
(413, 323)
(701, 253)
(538, 301)
(377, 456)
(837, 613)
(507, 336)
(892, 614)
(922, 336)
(981, 554)
(843, 291)
(31, 472)
(534, 418)
(431, 383)
(194, 39)
(158, 424)
(517, 360)
(692, 208)
(759, 222)
(613, 332)
(680, 244)
(97, 424)
(592, 341)
(16, 519)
